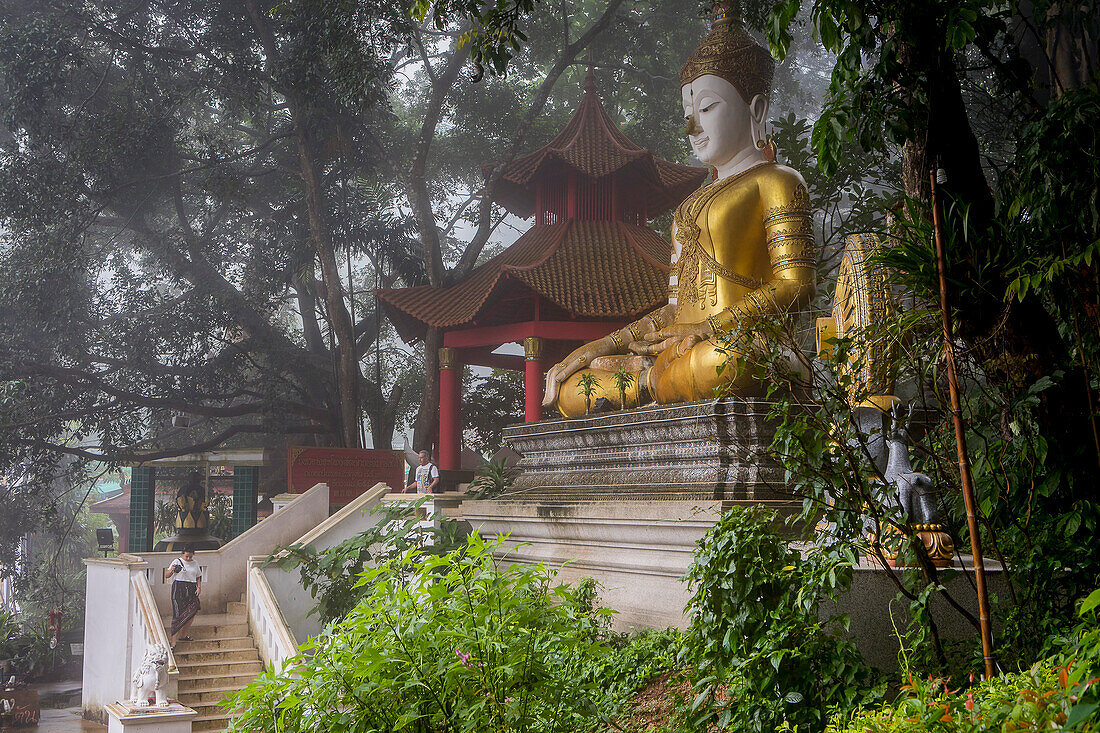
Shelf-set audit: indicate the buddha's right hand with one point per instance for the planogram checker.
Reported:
(570, 365)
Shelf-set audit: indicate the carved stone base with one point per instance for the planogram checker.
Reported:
(198, 539)
(696, 450)
(937, 543)
(124, 717)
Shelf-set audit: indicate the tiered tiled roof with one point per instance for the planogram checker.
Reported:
(592, 269)
(592, 144)
(596, 266)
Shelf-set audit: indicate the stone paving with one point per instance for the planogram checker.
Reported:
(65, 720)
(61, 709)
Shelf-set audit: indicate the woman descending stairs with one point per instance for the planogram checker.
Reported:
(220, 659)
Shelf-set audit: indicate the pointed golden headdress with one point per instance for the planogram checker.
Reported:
(730, 53)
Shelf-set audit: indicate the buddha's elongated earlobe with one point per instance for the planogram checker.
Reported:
(758, 114)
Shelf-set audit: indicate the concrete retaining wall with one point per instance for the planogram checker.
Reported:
(638, 551)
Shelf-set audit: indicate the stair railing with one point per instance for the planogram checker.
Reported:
(269, 629)
(148, 629)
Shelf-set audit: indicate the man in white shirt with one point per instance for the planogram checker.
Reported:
(427, 475)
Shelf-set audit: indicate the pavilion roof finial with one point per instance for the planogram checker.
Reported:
(590, 76)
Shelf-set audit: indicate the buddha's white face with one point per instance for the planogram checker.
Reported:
(724, 124)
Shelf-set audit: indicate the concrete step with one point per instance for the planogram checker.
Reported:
(212, 723)
(187, 658)
(221, 658)
(208, 710)
(198, 682)
(215, 667)
(203, 618)
(211, 696)
(210, 632)
(213, 645)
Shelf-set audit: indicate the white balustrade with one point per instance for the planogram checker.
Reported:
(121, 622)
(128, 594)
(148, 629)
(223, 570)
(268, 627)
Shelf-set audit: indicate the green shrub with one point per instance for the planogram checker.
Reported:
(9, 633)
(34, 657)
(332, 576)
(493, 479)
(1059, 693)
(762, 656)
(1031, 700)
(441, 643)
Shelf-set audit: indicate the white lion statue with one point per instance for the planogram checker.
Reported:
(151, 676)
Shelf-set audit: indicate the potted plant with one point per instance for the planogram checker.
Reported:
(493, 478)
(586, 386)
(622, 379)
(9, 635)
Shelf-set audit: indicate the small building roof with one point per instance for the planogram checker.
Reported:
(114, 504)
(592, 269)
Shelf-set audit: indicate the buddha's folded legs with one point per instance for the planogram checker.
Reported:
(695, 374)
(571, 400)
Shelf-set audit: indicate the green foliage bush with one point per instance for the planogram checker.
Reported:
(9, 631)
(1058, 693)
(493, 478)
(633, 660)
(333, 575)
(34, 656)
(762, 656)
(440, 643)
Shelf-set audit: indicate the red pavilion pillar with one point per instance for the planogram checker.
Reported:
(450, 410)
(533, 380)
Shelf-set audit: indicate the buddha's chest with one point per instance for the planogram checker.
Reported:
(720, 251)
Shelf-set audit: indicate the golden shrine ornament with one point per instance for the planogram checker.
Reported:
(861, 303)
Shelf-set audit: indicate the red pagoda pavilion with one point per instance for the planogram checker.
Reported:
(587, 266)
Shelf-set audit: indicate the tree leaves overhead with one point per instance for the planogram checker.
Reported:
(155, 249)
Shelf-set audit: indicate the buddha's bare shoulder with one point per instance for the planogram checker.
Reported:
(779, 185)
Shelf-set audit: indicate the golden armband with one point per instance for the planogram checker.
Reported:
(715, 325)
(790, 233)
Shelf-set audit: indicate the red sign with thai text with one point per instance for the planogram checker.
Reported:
(348, 471)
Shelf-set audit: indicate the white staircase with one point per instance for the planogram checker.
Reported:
(222, 658)
(228, 649)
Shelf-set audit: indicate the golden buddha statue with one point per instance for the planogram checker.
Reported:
(743, 246)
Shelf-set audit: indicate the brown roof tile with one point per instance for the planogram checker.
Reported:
(592, 269)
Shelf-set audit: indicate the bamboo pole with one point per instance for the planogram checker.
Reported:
(960, 437)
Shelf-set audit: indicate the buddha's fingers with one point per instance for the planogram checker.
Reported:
(553, 381)
(558, 374)
(652, 349)
(687, 344)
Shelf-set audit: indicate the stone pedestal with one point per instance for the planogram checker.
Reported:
(638, 551)
(175, 718)
(697, 450)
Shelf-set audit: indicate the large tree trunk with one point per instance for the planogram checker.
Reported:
(347, 355)
(347, 370)
(383, 414)
(1017, 343)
